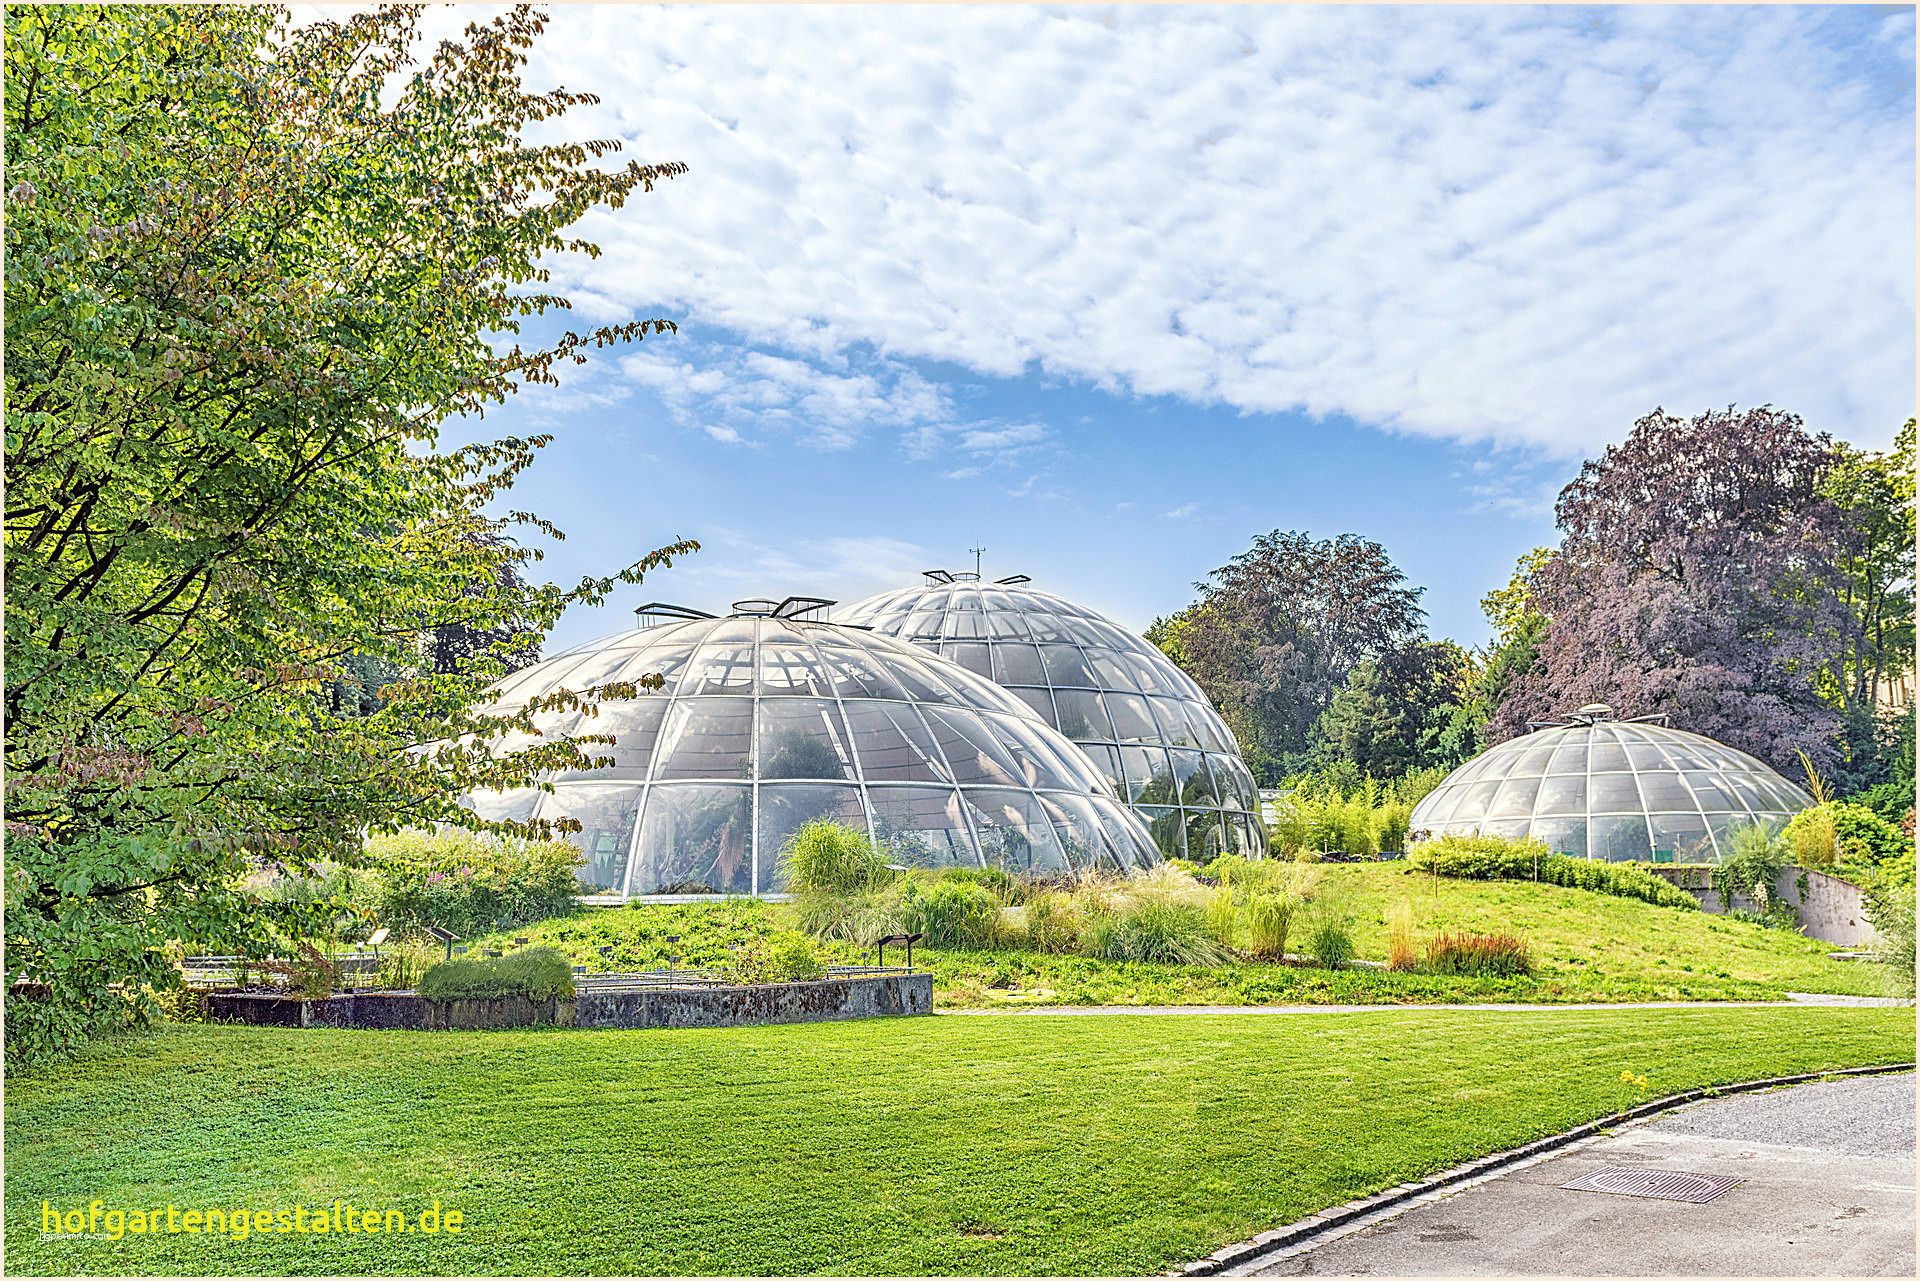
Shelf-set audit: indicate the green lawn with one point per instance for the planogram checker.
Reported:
(1590, 947)
(1063, 1145)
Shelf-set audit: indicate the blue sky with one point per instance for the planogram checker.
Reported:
(1113, 291)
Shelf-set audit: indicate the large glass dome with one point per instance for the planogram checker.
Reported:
(766, 722)
(1141, 719)
(1594, 787)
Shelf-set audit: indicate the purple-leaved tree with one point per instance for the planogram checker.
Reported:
(1697, 577)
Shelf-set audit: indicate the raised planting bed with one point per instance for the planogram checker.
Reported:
(606, 1003)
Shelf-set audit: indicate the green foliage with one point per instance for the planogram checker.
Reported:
(1814, 835)
(1330, 930)
(250, 271)
(833, 858)
(464, 882)
(785, 957)
(1756, 856)
(1053, 923)
(1864, 836)
(1154, 928)
(1891, 801)
(951, 912)
(1888, 900)
(1504, 954)
(536, 973)
(1338, 810)
(1270, 919)
(1486, 858)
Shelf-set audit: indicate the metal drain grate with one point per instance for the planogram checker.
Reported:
(1662, 1185)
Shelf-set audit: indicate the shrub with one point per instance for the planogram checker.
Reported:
(1891, 801)
(1755, 858)
(1864, 836)
(832, 858)
(795, 959)
(536, 973)
(1467, 953)
(1815, 836)
(1888, 900)
(952, 912)
(465, 883)
(1500, 858)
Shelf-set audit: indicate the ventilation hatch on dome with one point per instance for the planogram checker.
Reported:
(656, 613)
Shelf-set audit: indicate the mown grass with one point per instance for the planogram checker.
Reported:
(1588, 946)
(1049, 1145)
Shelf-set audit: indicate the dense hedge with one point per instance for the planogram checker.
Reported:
(1499, 858)
(536, 973)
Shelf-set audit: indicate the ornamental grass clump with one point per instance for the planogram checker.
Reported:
(1403, 952)
(1270, 917)
(1158, 915)
(1053, 923)
(537, 973)
(1469, 953)
(952, 912)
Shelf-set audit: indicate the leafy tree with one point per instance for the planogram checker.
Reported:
(1696, 577)
(1875, 493)
(1409, 709)
(1164, 635)
(250, 271)
(1278, 631)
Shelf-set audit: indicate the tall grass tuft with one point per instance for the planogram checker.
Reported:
(829, 857)
(1053, 923)
(1403, 953)
(1270, 916)
(1468, 953)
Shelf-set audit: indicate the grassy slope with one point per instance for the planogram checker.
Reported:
(1591, 947)
(1068, 1146)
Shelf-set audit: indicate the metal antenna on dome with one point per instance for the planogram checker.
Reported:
(977, 552)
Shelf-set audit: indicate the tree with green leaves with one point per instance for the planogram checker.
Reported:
(251, 270)
(1874, 491)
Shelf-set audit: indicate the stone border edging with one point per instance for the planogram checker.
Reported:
(1243, 1252)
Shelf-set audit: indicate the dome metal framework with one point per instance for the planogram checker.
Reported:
(770, 718)
(1141, 719)
(1595, 787)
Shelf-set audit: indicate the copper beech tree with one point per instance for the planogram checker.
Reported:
(250, 271)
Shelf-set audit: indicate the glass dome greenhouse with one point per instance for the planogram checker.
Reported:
(1595, 787)
(770, 718)
(1141, 719)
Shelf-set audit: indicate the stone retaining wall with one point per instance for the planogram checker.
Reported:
(827, 1000)
(1830, 910)
(861, 997)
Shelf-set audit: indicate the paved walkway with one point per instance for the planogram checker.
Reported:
(1791, 998)
(1828, 1190)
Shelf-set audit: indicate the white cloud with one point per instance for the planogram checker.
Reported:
(1520, 225)
(1182, 512)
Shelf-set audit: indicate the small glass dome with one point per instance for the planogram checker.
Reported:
(1594, 787)
(768, 721)
(1141, 719)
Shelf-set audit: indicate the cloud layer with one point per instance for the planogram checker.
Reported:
(1523, 226)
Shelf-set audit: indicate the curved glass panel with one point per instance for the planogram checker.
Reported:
(767, 723)
(1613, 790)
(1089, 678)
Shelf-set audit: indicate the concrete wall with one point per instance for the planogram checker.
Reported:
(1830, 910)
